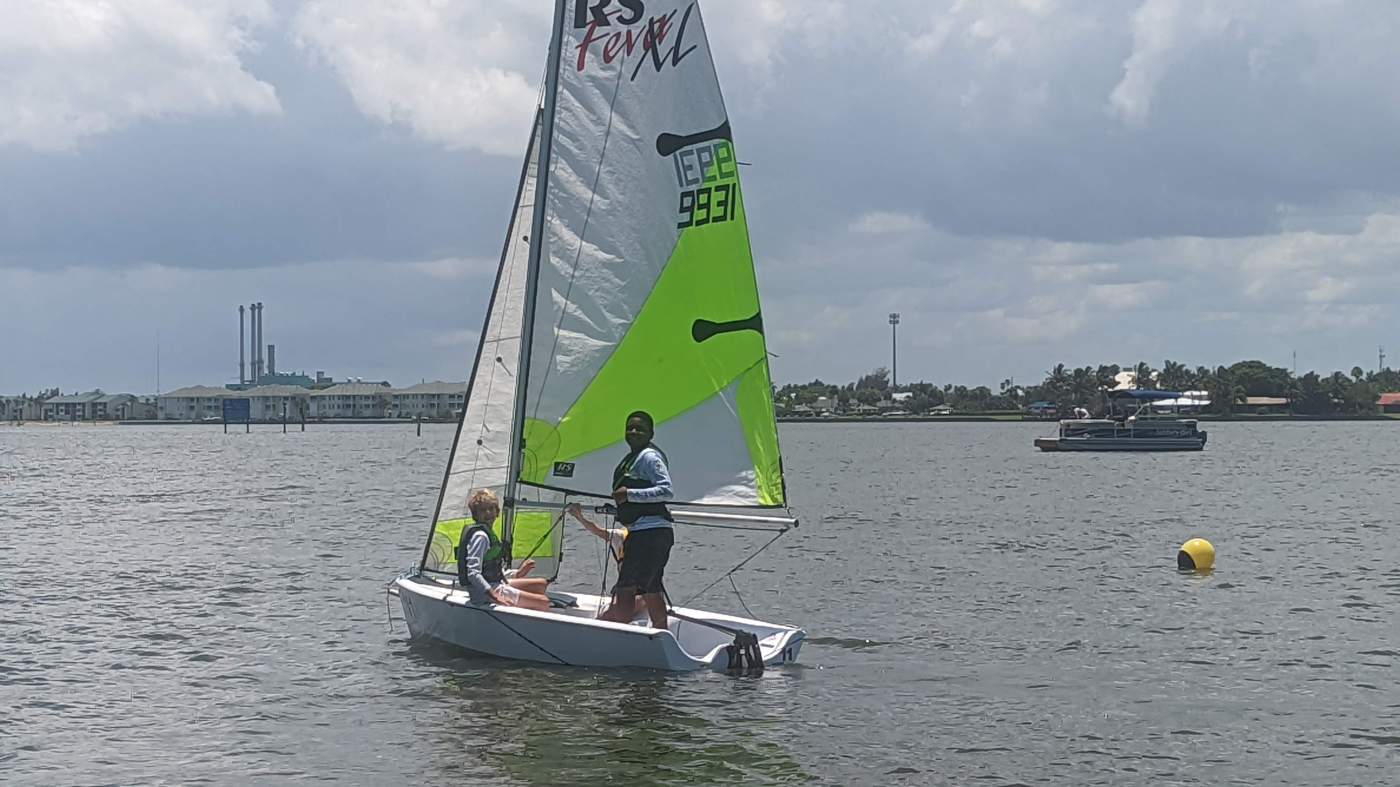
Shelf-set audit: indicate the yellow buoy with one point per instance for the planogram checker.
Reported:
(1196, 555)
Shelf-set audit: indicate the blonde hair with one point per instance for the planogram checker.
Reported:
(484, 505)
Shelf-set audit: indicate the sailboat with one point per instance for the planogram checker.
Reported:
(626, 283)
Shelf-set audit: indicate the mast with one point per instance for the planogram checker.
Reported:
(532, 270)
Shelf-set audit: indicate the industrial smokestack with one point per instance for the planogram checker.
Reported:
(259, 342)
(272, 359)
(241, 378)
(253, 343)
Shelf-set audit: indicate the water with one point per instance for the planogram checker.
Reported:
(180, 606)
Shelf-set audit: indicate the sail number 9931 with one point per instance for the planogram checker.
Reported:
(707, 205)
(708, 177)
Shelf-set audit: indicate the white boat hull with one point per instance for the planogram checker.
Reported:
(440, 611)
(1121, 444)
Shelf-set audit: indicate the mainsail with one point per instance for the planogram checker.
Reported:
(646, 297)
(644, 289)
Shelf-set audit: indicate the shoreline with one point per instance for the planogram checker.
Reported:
(290, 424)
(1016, 419)
(852, 419)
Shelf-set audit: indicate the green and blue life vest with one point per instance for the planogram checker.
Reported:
(629, 512)
(493, 563)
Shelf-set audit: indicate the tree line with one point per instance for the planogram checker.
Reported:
(1227, 388)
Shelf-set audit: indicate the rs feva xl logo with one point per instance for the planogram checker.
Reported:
(620, 28)
(596, 12)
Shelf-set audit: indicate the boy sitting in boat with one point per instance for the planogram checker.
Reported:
(481, 562)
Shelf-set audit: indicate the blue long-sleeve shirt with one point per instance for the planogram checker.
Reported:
(650, 466)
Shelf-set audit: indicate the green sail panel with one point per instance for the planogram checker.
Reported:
(647, 298)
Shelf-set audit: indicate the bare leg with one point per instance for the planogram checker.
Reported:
(656, 609)
(507, 595)
(536, 585)
(525, 600)
(623, 607)
(532, 601)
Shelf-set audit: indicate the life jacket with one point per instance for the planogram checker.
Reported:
(493, 563)
(629, 512)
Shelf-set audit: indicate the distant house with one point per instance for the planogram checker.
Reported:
(195, 403)
(1188, 402)
(145, 408)
(272, 402)
(1124, 381)
(21, 408)
(74, 407)
(823, 404)
(942, 409)
(115, 407)
(865, 409)
(1263, 405)
(351, 400)
(1042, 409)
(429, 400)
(90, 406)
(1389, 402)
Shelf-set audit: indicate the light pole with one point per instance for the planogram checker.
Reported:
(894, 350)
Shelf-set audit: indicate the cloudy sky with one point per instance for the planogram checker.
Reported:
(1026, 181)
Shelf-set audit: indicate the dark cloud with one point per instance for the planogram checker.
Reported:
(318, 182)
(1027, 183)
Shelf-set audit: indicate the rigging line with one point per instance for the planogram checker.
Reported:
(537, 645)
(587, 216)
(603, 587)
(547, 533)
(728, 573)
(740, 596)
(599, 557)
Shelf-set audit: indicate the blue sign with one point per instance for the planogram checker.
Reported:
(237, 411)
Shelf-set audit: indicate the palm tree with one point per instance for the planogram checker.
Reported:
(1175, 376)
(1083, 386)
(1142, 376)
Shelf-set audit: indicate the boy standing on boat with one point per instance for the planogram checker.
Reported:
(482, 562)
(641, 487)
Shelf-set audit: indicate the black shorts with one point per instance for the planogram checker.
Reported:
(644, 560)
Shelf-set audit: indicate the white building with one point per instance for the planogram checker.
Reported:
(195, 403)
(21, 408)
(144, 408)
(271, 402)
(429, 400)
(90, 406)
(351, 400)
